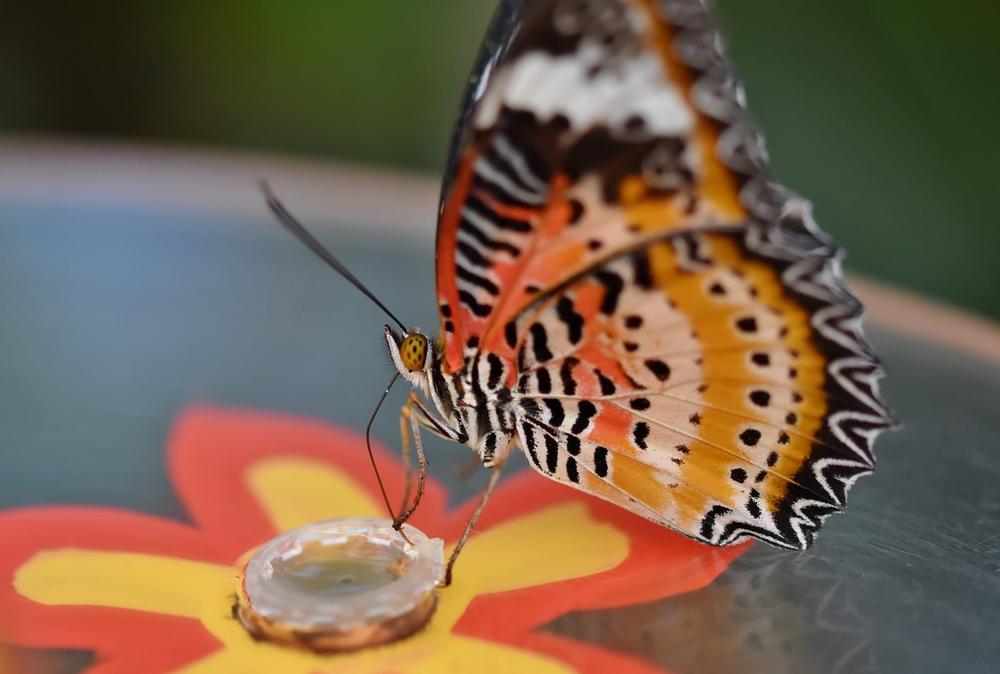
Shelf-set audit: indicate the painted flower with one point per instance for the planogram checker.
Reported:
(149, 594)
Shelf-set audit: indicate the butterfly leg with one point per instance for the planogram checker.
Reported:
(413, 417)
(494, 478)
(404, 434)
(410, 421)
(409, 428)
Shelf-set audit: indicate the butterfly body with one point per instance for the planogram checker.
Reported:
(474, 406)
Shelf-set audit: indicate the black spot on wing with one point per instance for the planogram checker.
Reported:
(556, 412)
(747, 324)
(607, 385)
(540, 342)
(639, 404)
(601, 461)
(643, 273)
(659, 369)
(750, 437)
(510, 334)
(587, 411)
(551, 453)
(613, 286)
(571, 470)
(640, 433)
(496, 371)
(531, 445)
(566, 375)
(570, 318)
(543, 380)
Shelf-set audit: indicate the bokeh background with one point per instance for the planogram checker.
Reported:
(882, 112)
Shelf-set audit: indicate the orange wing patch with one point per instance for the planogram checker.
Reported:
(693, 383)
(753, 388)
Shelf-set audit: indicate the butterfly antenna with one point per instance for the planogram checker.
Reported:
(368, 442)
(302, 234)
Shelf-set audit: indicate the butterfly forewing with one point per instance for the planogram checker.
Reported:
(585, 140)
(680, 339)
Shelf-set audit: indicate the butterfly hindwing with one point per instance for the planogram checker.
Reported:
(700, 382)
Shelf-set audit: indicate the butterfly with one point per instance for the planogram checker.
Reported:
(624, 292)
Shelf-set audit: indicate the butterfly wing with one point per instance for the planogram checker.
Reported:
(684, 345)
(713, 382)
(582, 136)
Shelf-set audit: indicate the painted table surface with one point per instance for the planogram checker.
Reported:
(117, 317)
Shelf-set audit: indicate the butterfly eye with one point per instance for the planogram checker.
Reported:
(413, 351)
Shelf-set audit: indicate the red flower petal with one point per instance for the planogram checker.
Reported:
(125, 641)
(210, 451)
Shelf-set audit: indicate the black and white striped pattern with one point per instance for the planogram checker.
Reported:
(485, 238)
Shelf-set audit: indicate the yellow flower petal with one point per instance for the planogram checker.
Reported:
(294, 492)
(432, 656)
(544, 547)
(255, 659)
(554, 544)
(121, 579)
(558, 543)
(462, 654)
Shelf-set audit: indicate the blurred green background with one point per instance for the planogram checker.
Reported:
(883, 112)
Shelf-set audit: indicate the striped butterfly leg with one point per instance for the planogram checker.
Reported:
(404, 434)
(414, 416)
(411, 418)
(487, 492)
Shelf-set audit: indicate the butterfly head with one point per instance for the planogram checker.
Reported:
(410, 353)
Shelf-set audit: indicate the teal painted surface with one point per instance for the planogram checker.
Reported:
(882, 112)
